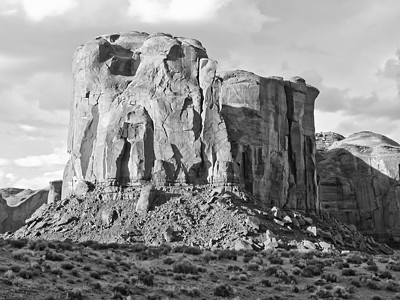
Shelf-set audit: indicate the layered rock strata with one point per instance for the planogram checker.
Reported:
(152, 108)
(359, 183)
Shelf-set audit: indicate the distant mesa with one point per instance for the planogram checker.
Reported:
(152, 108)
(359, 182)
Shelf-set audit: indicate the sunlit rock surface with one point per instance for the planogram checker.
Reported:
(152, 108)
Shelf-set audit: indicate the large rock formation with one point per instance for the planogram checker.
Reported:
(13, 213)
(151, 108)
(359, 183)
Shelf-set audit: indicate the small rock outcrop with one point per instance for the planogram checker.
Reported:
(152, 108)
(54, 191)
(359, 183)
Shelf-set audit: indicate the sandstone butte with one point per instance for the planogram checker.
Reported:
(152, 108)
(359, 182)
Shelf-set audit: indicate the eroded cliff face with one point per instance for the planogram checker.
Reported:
(359, 183)
(152, 108)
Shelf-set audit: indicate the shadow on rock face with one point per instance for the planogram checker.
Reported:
(363, 189)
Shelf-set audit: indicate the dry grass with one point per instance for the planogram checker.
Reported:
(64, 270)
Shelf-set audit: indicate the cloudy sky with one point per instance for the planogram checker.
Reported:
(349, 50)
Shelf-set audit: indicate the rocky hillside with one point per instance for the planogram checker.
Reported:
(359, 183)
(223, 217)
(151, 108)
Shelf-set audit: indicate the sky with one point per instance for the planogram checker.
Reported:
(349, 50)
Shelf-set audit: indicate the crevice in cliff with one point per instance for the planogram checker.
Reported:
(123, 174)
(89, 137)
(289, 116)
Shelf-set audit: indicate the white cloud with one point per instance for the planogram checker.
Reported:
(4, 162)
(37, 10)
(27, 128)
(58, 157)
(157, 11)
(38, 182)
(7, 179)
(391, 67)
(44, 97)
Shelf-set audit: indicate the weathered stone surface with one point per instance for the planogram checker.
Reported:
(146, 198)
(152, 108)
(54, 191)
(13, 217)
(359, 183)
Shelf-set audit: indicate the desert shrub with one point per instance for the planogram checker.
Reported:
(286, 279)
(75, 294)
(296, 271)
(355, 259)
(111, 265)
(234, 268)
(120, 288)
(342, 265)
(26, 274)
(177, 277)
(348, 272)
(57, 271)
(208, 256)
(168, 261)
(53, 256)
(266, 283)
(372, 285)
(86, 268)
(138, 247)
(185, 267)
(226, 254)
(355, 283)
(66, 245)
(324, 294)
(201, 269)
(66, 265)
(37, 245)
(95, 275)
(295, 289)
(383, 259)
(376, 297)
(22, 254)
(193, 292)
(223, 290)
(146, 278)
(271, 270)
(75, 272)
(233, 277)
(310, 288)
(243, 277)
(19, 243)
(275, 260)
(3, 269)
(310, 271)
(273, 297)
(391, 286)
(340, 292)
(305, 255)
(329, 277)
(252, 267)
(246, 259)
(15, 268)
(385, 275)
(372, 268)
(394, 266)
(187, 250)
